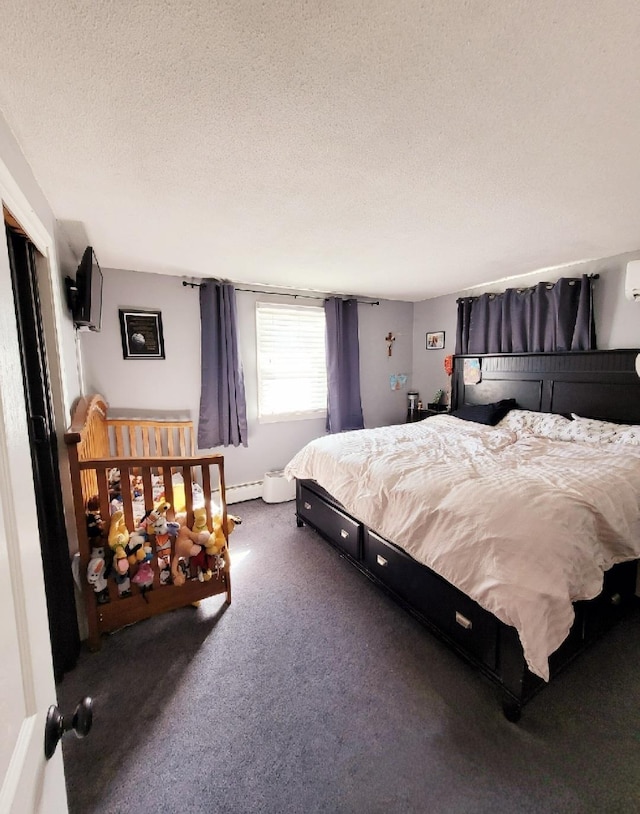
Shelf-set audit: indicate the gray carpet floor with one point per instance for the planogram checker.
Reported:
(315, 692)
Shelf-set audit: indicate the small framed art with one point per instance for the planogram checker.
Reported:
(435, 340)
(141, 332)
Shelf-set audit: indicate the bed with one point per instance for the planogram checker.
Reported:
(516, 543)
(137, 470)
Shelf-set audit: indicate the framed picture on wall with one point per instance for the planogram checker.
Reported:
(141, 332)
(435, 340)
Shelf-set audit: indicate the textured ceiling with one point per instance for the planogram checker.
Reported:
(396, 149)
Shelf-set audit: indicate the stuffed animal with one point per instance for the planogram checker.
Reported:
(200, 548)
(151, 516)
(124, 584)
(115, 487)
(202, 563)
(96, 571)
(164, 531)
(161, 506)
(214, 542)
(200, 520)
(95, 526)
(217, 542)
(134, 548)
(144, 576)
(188, 544)
(137, 486)
(118, 539)
(138, 549)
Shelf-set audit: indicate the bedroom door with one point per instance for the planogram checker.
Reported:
(28, 783)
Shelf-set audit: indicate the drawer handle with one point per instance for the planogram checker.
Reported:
(307, 505)
(467, 624)
(344, 534)
(616, 599)
(381, 560)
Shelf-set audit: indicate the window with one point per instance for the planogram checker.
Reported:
(292, 367)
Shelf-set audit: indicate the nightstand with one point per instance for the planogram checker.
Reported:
(418, 415)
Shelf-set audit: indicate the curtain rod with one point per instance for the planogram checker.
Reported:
(280, 293)
(594, 276)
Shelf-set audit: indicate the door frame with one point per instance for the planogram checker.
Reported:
(29, 782)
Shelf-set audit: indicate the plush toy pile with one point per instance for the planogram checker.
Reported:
(182, 553)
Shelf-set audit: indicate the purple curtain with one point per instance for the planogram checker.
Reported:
(547, 317)
(344, 409)
(223, 409)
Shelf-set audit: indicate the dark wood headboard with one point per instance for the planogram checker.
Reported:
(595, 384)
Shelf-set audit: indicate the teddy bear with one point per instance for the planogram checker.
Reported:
(214, 542)
(188, 544)
(200, 548)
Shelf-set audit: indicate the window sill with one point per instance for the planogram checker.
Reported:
(286, 417)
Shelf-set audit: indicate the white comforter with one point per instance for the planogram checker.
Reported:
(523, 525)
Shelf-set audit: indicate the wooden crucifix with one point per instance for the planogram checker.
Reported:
(389, 339)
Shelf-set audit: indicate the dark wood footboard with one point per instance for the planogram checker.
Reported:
(473, 632)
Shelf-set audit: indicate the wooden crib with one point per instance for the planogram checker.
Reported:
(156, 462)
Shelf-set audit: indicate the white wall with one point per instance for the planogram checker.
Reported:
(59, 332)
(438, 314)
(381, 405)
(617, 319)
(157, 387)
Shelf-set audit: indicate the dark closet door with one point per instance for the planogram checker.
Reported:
(63, 623)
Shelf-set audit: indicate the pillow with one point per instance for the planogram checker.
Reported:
(543, 425)
(629, 435)
(595, 431)
(485, 413)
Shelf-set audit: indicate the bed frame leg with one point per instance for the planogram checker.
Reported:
(299, 522)
(511, 709)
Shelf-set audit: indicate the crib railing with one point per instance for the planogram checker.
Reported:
(156, 462)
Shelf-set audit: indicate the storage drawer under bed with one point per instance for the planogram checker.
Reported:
(618, 593)
(336, 526)
(457, 616)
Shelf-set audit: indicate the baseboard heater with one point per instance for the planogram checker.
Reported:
(242, 491)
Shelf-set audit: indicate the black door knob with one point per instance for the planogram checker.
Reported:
(57, 724)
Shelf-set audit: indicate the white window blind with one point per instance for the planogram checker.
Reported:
(292, 368)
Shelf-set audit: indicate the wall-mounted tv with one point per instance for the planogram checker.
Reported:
(85, 294)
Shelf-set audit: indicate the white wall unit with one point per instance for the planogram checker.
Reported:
(632, 280)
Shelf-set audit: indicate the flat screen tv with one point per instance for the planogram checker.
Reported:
(86, 294)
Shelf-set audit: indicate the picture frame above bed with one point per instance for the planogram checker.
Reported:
(142, 335)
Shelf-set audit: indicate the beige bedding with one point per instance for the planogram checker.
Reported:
(522, 524)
